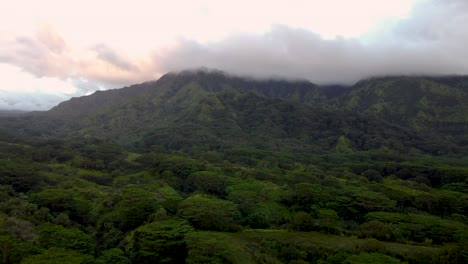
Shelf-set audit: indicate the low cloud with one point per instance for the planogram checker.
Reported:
(20, 90)
(29, 101)
(432, 41)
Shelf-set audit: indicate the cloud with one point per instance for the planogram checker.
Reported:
(431, 41)
(20, 90)
(51, 39)
(29, 101)
(46, 54)
(434, 21)
(282, 52)
(107, 54)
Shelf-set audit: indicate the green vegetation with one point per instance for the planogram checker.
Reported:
(215, 169)
(278, 207)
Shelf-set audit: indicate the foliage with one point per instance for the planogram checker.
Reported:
(68, 201)
(213, 247)
(58, 256)
(161, 242)
(114, 255)
(371, 258)
(67, 238)
(210, 213)
(129, 208)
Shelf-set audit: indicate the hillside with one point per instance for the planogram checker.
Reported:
(211, 110)
(416, 102)
(5, 113)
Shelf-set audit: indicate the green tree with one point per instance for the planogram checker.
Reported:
(343, 145)
(371, 258)
(210, 213)
(268, 214)
(303, 221)
(372, 175)
(58, 256)
(114, 256)
(328, 219)
(68, 238)
(207, 182)
(215, 247)
(70, 201)
(158, 242)
(381, 231)
(129, 207)
(13, 250)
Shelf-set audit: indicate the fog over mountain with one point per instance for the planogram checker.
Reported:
(430, 40)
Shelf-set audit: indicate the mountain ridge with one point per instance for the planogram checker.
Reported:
(215, 110)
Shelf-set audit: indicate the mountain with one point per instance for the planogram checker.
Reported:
(4, 113)
(80, 106)
(255, 171)
(212, 82)
(212, 110)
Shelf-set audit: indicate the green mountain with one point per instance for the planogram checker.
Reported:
(211, 110)
(416, 102)
(202, 167)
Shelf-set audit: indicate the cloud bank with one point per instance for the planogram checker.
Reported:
(431, 40)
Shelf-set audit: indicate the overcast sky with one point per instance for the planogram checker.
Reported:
(53, 50)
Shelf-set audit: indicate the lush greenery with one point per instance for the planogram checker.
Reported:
(216, 169)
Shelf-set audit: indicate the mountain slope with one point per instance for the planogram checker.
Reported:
(421, 103)
(80, 106)
(211, 110)
(411, 100)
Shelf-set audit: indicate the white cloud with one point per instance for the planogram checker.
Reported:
(20, 90)
(29, 101)
(14, 79)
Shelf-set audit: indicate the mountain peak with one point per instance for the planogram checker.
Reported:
(218, 74)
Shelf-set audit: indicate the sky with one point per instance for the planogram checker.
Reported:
(52, 50)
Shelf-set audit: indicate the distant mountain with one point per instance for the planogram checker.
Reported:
(211, 110)
(80, 106)
(4, 113)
